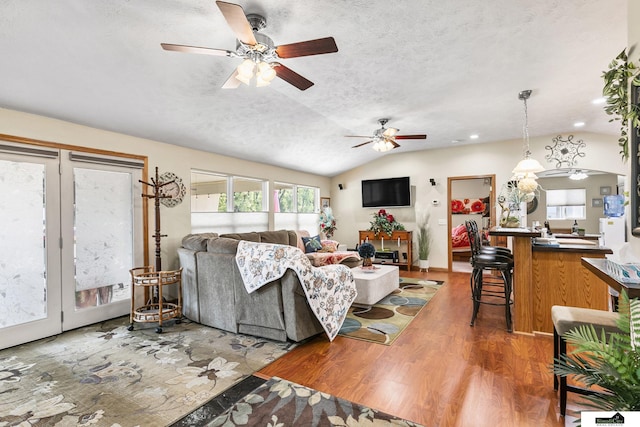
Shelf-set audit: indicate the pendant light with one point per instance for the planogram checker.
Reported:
(527, 167)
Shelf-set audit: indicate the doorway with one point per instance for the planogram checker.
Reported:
(71, 230)
(469, 198)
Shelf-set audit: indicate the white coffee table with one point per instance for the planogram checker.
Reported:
(373, 285)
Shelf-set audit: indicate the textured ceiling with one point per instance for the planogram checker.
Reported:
(444, 68)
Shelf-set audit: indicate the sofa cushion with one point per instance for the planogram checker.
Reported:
(300, 234)
(279, 237)
(312, 244)
(223, 245)
(250, 237)
(197, 242)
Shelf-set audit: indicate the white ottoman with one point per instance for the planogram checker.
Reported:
(373, 285)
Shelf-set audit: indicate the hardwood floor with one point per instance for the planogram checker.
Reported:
(440, 371)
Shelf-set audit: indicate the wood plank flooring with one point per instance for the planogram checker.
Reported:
(440, 371)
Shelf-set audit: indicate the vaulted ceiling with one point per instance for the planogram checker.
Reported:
(445, 68)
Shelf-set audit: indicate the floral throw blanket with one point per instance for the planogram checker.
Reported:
(330, 289)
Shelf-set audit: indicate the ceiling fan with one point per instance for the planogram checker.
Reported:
(575, 174)
(259, 53)
(384, 139)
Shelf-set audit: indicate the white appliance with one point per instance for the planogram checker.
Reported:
(612, 233)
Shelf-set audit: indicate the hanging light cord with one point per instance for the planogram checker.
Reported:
(525, 129)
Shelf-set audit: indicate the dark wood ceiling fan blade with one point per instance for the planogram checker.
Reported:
(395, 144)
(364, 143)
(291, 77)
(195, 49)
(237, 20)
(232, 82)
(310, 47)
(410, 137)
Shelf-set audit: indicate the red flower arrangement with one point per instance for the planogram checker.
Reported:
(384, 222)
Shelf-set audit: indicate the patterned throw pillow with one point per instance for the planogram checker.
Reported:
(312, 244)
(329, 245)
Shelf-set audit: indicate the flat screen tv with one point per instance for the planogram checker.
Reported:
(388, 192)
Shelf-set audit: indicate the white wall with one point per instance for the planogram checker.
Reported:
(175, 222)
(497, 158)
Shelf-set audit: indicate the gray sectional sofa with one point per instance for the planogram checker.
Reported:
(214, 294)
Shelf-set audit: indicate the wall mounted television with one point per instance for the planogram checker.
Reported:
(388, 192)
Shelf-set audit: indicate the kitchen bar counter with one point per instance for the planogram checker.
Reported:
(598, 267)
(550, 275)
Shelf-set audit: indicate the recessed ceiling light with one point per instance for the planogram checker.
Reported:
(474, 136)
(598, 101)
(455, 141)
(578, 124)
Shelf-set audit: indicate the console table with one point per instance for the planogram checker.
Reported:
(400, 240)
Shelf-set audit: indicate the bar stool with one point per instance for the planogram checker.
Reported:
(568, 318)
(494, 289)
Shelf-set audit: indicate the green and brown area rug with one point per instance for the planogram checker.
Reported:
(104, 375)
(384, 321)
(279, 403)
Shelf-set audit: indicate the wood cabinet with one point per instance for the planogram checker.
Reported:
(401, 241)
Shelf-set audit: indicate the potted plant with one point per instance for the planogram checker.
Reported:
(616, 94)
(424, 242)
(612, 363)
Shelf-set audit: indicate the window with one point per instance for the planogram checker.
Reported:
(248, 195)
(283, 197)
(307, 199)
(213, 211)
(567, 203)
(208, 192)
(296, 207)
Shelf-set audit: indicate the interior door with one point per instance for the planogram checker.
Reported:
(101, 215)
(464, 194)
(30, 289)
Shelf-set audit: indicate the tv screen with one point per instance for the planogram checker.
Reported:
(380, 193)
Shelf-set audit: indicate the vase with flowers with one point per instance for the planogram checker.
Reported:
(384, 222)
(327, 223)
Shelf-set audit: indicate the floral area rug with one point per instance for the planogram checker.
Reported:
(283, 403)
(104, 375)
(384, 321)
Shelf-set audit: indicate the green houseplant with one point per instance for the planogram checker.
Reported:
(616, 94)
(424, 242)
(610, 362)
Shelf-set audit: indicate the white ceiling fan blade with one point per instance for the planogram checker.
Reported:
(237, 20)
(232, 82)
(196, 49)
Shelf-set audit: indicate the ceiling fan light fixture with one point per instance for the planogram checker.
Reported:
(244, 79)
(261, 82)
(266, 71)
(578, 175)
(246, 68)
